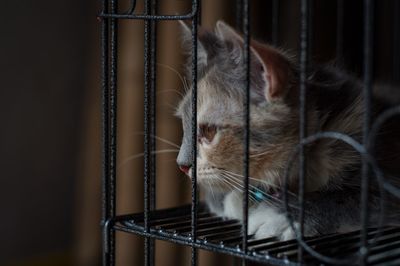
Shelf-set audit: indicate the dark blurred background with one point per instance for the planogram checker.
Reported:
(50, 115)
(48, 58)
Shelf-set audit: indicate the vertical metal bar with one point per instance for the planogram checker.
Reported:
(148, 128)
(246, 31)
(339, 30)
(238, 15)
(110, 132)
(153, 102)
(105, 130)
(199, 16)
(367, 79)
(113, 106)
(194, 131)
(149, 242)
(304, 51)
(396, 41)
(275, 21)
(310, 33)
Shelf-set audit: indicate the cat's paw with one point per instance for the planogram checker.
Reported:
(282, 231)
(276, 227)
(266, 222)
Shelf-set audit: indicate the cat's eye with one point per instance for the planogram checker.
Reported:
(206, 133)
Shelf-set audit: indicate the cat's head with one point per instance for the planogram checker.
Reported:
(221, 114)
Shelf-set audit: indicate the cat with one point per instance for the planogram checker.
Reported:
(333, 176)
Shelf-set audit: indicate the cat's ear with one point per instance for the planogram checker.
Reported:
(187, 45)
(269, 68)
(227, 33)
(207, 45)
(273, 67)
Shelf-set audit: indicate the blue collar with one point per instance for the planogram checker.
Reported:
(260, 194)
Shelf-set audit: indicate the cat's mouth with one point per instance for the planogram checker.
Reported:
(223, 180)
(210, 178)
(208, 174)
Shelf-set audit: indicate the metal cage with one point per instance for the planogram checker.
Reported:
(192, 225)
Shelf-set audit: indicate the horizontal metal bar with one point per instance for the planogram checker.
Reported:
(316, 241)
(167, 236)
(346, 249)
(228, 240)
(161, 222)
(210, 224)
(227, 232)
(180, 223)
(161, 214)
(227, 229)
(149, 17)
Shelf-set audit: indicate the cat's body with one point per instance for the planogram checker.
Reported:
(335, 103)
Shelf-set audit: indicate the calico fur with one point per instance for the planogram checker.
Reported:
(335, 103)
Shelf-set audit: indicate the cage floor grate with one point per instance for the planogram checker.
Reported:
(224, 236)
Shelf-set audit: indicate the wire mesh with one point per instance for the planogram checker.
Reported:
(193, 225)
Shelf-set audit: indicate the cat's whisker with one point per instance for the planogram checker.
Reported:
(165, 150)
(251, 178)
(166, 141)
(171, 90)
(161, 139)
(171, 106)
(252, 186)
(173, 70)
(186, 85)
(218, 183)
(260, 154)
(212, 192)
(237, 181)
(263, 182)
(139, 155)
(238, 189)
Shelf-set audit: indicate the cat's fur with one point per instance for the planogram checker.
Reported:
(335, 103)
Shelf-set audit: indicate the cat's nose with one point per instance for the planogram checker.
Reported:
(184, 168)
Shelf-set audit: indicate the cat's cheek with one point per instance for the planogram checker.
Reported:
(206, 147)
(207, 153)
